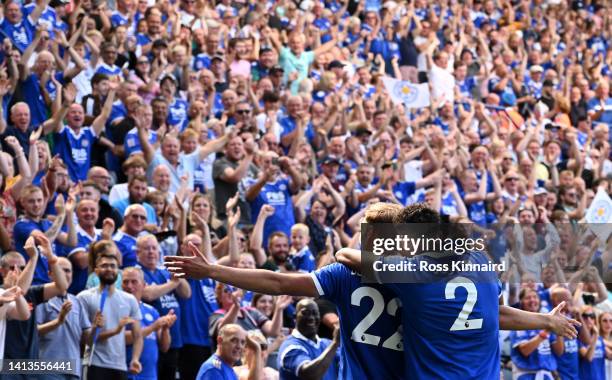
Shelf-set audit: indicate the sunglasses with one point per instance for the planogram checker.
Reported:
(512, 179)
(139, 217)
(13, 267)
(588, 315)
(243, 112)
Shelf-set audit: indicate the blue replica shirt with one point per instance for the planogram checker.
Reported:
(201, 61)
(450, 322)
(595, 369)
(297, 350)
(196, 310)
(177, 114)
(75, 150)
(110, 70)
(33, 97)
(127, 246)
(165, 303)
(20, 34)
(594, 105)
(277, 195)
(303, 260)
(370, 324)
(21, 232)
(216, 369)
(150, 352)
(477, 211)
(567, 363)
(79, 275)
(117, 19)
(403, 190)
(542, 358)
(132, 143)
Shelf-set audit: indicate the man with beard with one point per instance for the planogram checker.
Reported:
(230, 347)
(120, 309)
(137, 190)
(303, 354)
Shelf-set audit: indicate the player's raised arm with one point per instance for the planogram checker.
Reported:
(511, 318)
(256, 280)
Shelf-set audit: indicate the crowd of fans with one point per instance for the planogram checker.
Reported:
(261, 132)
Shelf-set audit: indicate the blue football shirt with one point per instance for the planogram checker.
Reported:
(370, 324)
(451, 325)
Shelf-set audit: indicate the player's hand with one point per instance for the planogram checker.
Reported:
(196, 266)
(135, 366)
(561, 325)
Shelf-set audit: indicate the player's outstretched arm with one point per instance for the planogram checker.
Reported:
(515, 319)
(256, 280)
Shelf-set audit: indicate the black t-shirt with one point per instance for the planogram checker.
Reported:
(22, 336)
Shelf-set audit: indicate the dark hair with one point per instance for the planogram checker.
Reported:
(97, 78)
(270, 97)
(135, 178)
(417, 213)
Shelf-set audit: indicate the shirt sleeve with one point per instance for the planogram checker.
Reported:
(134, 309)
(518, 337)
(325, 280)
(293, 357)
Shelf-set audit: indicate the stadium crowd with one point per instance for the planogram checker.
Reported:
(260, 134)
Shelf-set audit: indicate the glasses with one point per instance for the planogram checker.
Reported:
(512, 179)
(13, 267)
(588, 315)
(143, 62)
(135, 216)
(243, 112)
(571, 194)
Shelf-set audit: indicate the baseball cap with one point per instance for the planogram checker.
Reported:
(335, 64)
(330, 160)
(540, 190)
(276, 68)
(536, 68)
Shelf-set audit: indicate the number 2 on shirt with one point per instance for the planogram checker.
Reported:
(394, 342)
(462, 322)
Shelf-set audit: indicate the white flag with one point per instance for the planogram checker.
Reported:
(599, 215)
(409, 94)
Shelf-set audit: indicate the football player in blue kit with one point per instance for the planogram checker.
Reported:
(370, 325)
(451, 322)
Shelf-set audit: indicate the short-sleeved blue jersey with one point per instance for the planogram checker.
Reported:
(75, 150)
(451, 325)
(370, 324)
